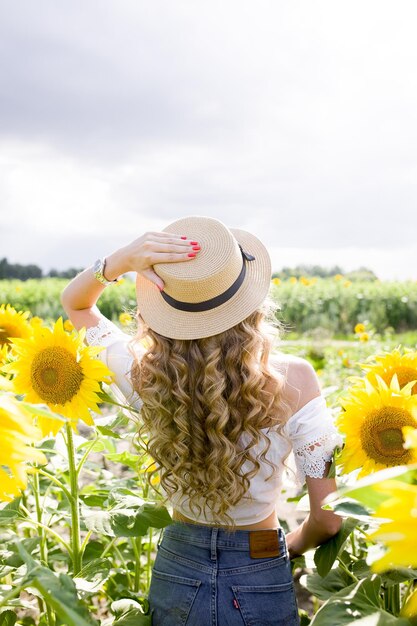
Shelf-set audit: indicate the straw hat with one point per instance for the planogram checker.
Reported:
(226, 282)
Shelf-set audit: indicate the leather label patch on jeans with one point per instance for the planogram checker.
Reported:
(263, 543)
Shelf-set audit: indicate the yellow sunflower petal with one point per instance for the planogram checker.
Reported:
(56, 368)
(13, 324)
(372, 422)
(18, 434)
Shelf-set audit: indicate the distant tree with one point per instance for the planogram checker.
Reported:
(362, 273)
(70, 273)
(324, 272)
(16, 270)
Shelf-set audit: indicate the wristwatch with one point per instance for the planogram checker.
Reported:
(98, 270)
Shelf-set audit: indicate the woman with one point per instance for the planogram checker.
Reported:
(220, 415)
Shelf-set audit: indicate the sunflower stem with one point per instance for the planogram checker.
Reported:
(149, 555)
(408, 591)
(27, 520)
(74, 503)
(85, 455)
(137, 548)
(43, 549)
(345, 569)
(393, 598)
(57, 482)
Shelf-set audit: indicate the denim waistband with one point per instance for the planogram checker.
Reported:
(204, 535)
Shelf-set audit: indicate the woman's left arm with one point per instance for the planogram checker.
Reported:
(80, 296)
(320, 525)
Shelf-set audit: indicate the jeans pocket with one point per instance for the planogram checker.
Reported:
(171, 598)
(267, 605)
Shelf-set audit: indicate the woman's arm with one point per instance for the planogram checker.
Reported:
(80, 296)
(319, 526)
(302, 386)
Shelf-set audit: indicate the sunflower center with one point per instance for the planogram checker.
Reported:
(405, 375)
(4, 337)
(382, 438)
(56, 375)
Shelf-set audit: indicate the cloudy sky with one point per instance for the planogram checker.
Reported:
(296, 120)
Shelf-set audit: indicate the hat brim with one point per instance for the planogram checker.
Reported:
(171, 322)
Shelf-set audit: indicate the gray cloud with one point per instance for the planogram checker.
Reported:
(296, 119)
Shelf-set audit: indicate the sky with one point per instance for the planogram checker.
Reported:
(295, 120)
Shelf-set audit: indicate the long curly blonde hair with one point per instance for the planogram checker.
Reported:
(198, 397)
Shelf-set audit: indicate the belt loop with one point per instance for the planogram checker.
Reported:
(213, 545)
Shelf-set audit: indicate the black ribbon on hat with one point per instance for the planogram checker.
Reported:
(206, 305)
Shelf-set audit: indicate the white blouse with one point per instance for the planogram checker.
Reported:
(310, 434)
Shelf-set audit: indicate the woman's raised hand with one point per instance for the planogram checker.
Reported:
(158, 247)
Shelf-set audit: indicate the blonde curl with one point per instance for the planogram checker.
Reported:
(198, 397)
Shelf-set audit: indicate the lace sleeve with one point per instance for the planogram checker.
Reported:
(118, 355)
(311, 457)
(314, 438)
(103, 334)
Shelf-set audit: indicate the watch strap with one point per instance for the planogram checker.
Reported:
(98, 270)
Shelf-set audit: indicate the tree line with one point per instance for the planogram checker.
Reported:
(24, 272)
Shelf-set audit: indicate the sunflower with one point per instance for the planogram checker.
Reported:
(56, 368)
(410, 437)
(17, 434)
(389, 363)
(372, 422)
(399, 533)
(36, 321)
(13, 324)
(3, 353)
(125, 318)
(68, 325)
(410, 607)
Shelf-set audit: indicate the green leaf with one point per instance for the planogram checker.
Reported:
(325, 587)
(347, 507)
(125, 457)
(326, 554)
(58, 591)
(36, 409)
(7, 516)
(129, 522)
(13, 557)
(135, 617)
(356, 605)
(93, 575)
(97, 446)
(111, 429)
(363, 489)
(105, 397)
(119, 607)
(399, 575)
(8, 618)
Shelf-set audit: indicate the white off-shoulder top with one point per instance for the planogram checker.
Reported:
(309, 433)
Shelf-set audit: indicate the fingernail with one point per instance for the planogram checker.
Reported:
(194, 243)
(196, 248)
(184, 237)
(192, 254)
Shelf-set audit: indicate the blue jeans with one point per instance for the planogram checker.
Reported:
(205, 576)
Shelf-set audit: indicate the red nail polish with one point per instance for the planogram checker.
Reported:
(194, 243)
(183, 237)
(196, 248)
(192, 254)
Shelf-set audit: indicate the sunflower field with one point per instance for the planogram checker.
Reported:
(80, 509)
(332, 304)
